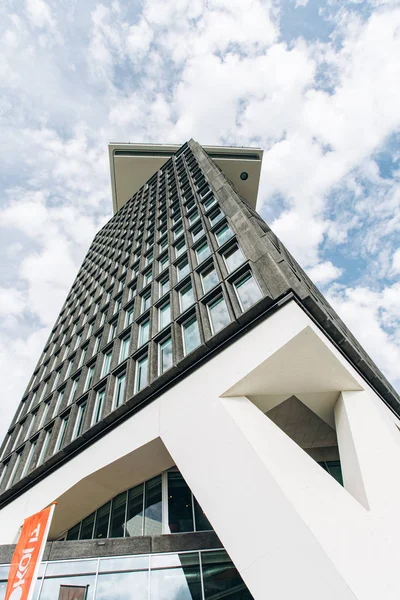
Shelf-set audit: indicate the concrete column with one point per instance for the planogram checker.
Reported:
(216, 445)
(369, 453)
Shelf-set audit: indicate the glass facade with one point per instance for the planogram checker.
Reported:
(204, 575)
(163, 504)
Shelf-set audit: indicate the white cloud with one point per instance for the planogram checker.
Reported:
(324, 272)
(368, 314)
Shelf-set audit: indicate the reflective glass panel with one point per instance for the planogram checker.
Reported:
(141, 375)
(191, 335)
(166, 359)
(182, 270)
(179, 582)
(219, 315)
(134, 522)
(186, 297)
(223, 235)
(144, 333)
(102, 519)
(247, 291)
(123, 586)
(180, 514)
(153, 507)
(203, 252)
(233, 258)
(165, 315)
(87, 528)
(209, 279)
(119, 391)
(164, 286)
(118, 516)
(221, 578)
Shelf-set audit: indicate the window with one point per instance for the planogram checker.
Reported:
(202, 252)
(164, 315)
(197, 233)
(182, 269)
(45, 447)
(191, 335)
(223, 234)
(209, 279)
(28, 462)
(31, 425)
(103, 318)
(61, 434)
(97, 344)
(147, 277)
(146, 302)
(79, 420)
(73, 391)
(106, 364)
(69, 368)
(44, 414)
(233, 258)
(117, 306)
(132, 292)
(165, 355)
(98, 406)
(186, 297)
(14, 470)
(215, 216)
(164, 286)
(177, 232)
(89, 378)
(163, 244)
(180, 248)
(57, 405)
(218, 313)
(141, 373)
(77, 341)
(124, 351)
(83, 356)
(112, 331)
(247, 291)
(144, 332)
(193, 217)
(163, 263)
(209, 203)
(119, 391)
(4, 472)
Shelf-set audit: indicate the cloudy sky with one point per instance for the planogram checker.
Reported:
(315, 83)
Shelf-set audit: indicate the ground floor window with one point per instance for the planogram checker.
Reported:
(205, 575)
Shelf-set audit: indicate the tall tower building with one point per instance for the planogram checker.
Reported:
(207, 425)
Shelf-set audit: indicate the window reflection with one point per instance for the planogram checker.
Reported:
(180, 580)
(153, 507)
(123, 586)
(118, 516)
(134, 521)
(221, 578)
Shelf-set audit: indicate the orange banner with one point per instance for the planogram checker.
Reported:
(28, 554)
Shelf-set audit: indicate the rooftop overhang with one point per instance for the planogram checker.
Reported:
(132, 165)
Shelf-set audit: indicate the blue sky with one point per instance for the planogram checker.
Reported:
(316, 84)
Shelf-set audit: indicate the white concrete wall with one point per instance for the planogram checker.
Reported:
(291, 530)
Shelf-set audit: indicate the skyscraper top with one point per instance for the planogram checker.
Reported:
(132, 165)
